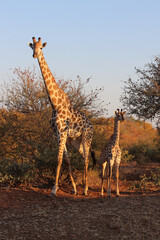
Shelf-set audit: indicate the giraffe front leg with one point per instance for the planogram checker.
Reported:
(85, 178)
(59, 163)
(117, 179)
(118, 160)
(109, 179)
(103, 173)
(55, 187)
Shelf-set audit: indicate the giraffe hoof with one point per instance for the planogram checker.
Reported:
(75, 192)
(101, 194)
(53, 195)
(85, 193)
(54, 191)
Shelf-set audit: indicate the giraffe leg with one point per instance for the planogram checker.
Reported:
(103, 173)
(117, 179)
(109, 178)
(118, 160)
(70, 170)
(85, 172)
(62, 144)
(86, 140)
(77, 144)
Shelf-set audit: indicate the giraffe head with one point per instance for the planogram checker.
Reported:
(37, 46)
(120, 115)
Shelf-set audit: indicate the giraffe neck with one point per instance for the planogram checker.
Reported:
(115, 137)
(56, 95)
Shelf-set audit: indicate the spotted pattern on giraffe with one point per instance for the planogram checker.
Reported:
(112, 154)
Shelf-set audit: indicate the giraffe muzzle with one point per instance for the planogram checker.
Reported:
(34, 55)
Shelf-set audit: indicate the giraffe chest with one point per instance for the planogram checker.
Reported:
(110, 152)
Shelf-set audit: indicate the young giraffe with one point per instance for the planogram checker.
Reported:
(66, 121)
(112, 154)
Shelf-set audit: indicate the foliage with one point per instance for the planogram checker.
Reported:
(145, 153)
(142, 97)
(146, 181)
(28, 148)
(139, 141)
(26, 137)
(83, 98)
(25, 140)
(126, 156)
(102, 133)
(15, 173)
(25, 92)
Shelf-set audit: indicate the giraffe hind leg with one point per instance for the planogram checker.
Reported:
(70, 170)
(77, 144)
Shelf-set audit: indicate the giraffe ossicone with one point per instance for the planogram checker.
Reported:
(67, 122)
(112, 154)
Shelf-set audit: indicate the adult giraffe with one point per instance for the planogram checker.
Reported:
(66, 121)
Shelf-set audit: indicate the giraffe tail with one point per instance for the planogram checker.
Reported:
(93, 158)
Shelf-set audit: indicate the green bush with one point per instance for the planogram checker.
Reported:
(126, 156)
(147, 181)
(15, 173)
(145, 153)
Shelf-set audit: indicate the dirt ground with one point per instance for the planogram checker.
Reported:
(33, 214)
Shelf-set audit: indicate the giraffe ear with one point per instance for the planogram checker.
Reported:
(31, 45)
(124, 113)
(115, 113)
(44, 45)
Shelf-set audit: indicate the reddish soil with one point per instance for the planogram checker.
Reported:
(33, 214)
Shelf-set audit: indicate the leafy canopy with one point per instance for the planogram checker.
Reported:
(141, 97)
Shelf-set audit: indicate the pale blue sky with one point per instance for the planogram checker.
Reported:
(99, 38)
